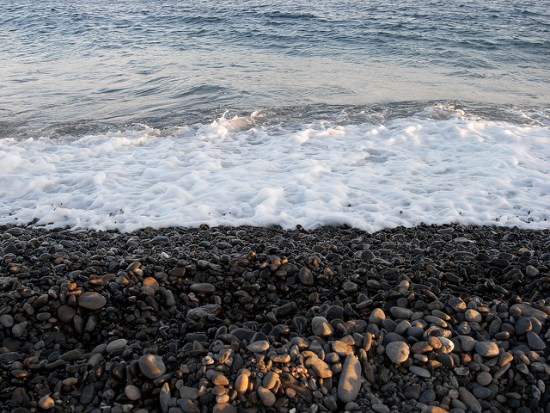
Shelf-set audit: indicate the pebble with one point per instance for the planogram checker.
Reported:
(116, 345)
(270, 380)
(319, 367)
(523, 326)
(151, 366)
(412, 391)
(91, 300)
(481, 392)
(487, 348)
(529, 311)
(46, 402)
(258, 346)
(224, 408)
(132, 392)
(6, 321)
(484, 378)
(401, 312)
(203, 288)
(188, 406)
(242, 331)
(467, 343)
(350, 379)
(398, 351)
(535, 342)
(420, 371)
(241, 384)
(350, 287)
(19, 329)
(380, 408)
(321, 327)
(428, 396)
(473, 316)
(469, 400)
(305, 276)
(164, 398)
(267, 397)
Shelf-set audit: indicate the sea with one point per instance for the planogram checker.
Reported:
(373, 114)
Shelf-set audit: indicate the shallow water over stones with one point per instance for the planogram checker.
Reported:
(106, 322)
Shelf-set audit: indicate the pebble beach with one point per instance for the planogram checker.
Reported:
(435, 319)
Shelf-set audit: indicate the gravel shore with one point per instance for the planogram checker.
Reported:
(427, 319)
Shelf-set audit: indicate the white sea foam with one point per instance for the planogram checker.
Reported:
(405, 172)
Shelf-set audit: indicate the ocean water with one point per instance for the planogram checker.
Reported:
(368, 113)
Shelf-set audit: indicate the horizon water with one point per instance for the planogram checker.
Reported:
(370, 114)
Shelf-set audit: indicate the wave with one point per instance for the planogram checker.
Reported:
(438, 165)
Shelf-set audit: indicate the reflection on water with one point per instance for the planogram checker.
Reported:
(106, 64)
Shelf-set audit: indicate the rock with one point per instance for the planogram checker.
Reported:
(377, 316)
(321, 327)
(46, 402)
(151, 285)
(420, 371)
(19, 329)
(71, 355)
(88, 394)
(224, 408)
(258, 346)
(487, 348)
(241, 384)
(412, 391)
(203, 288)
(132, 392)
(6, 321)
(319, 367)
(91, 300)
(398, 351)
(350, 287)
(164, 398)
(467, 343)
(484, 378)
(350, 379)
(205, 312)
(380, 408)
(457, 304)
(188, 406)
(528, 311)
(270, 380)
(469, 400)
(436, 409)
(523, 326)
(305, 276)
(116, 345)
(428, 396)
(473, 316)
(481, 392)
(151, 366)
(532, 271)
(285, 310)
(401, 312)
(535, 342)
(267, 397)
(187, 392)
(335, 312)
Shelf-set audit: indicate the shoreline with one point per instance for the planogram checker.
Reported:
(429, 318)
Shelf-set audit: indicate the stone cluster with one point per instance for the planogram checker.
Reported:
(426, 319)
